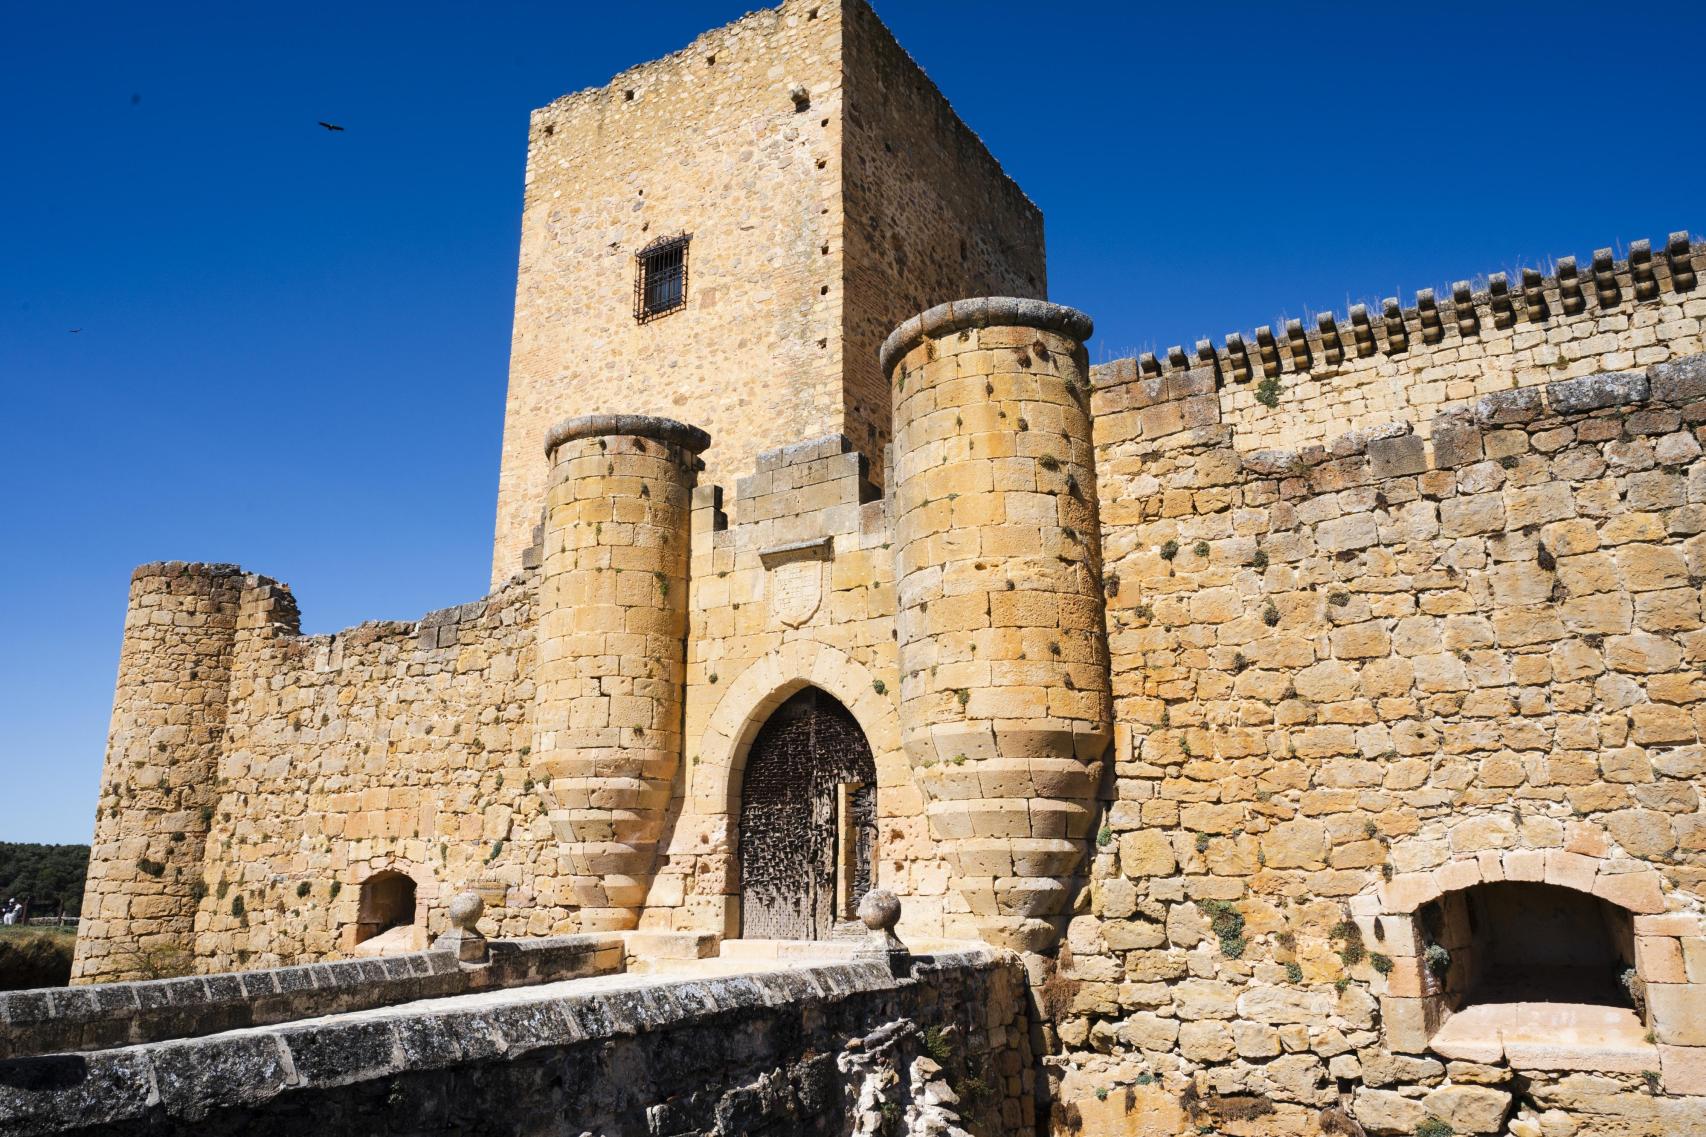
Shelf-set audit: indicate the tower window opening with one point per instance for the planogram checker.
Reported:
(660, 277)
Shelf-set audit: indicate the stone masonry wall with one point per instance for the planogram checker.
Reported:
(388, 746)
(1369, 672)
(795, 588)
(1302, 386)
(157, 796)
(823, 1049)
(830, 192)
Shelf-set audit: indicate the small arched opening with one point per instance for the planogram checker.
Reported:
(1528, 942)
(387, 901)
(808, 821)
(1535, 973)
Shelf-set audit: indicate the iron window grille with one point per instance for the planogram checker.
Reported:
(660, 277)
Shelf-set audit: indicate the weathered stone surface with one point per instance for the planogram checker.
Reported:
(1593, 392)
(1244, 688)
(1469, 1109)
(1387, 1111)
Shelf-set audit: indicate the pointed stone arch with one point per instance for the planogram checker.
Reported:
(758, 690)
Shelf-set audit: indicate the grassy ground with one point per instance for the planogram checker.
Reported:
(35, 957)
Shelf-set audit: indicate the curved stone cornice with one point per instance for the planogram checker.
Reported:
(689, 438)
(983, 312)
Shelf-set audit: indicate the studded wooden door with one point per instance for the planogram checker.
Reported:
(808, 821)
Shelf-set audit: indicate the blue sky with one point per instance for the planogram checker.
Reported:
(293, 343)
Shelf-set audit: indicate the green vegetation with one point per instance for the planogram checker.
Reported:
(48, 877)
(1228, 925)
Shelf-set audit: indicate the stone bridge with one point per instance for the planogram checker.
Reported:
(597, 1033)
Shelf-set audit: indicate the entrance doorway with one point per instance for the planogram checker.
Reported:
(808, 822)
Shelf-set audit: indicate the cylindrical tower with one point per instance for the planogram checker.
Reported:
(612, 649)
(1006, 713)
(158, 786)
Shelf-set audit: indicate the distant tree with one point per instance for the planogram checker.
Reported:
(49, 877)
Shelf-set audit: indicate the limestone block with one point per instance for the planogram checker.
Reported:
(1678, 1013)
(1469, 1109)
(1639, 891)
(1205, 999)
(1684, 1069)
(1386, 1111)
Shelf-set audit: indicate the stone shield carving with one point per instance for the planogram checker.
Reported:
(794, 588)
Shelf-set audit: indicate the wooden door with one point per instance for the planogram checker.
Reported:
(807, 822)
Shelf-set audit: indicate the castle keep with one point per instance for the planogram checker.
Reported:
(1316, 715)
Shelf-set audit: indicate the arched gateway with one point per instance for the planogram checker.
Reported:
(808, 821)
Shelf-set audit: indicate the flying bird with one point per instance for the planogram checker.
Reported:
(331, 126)
(74, 331)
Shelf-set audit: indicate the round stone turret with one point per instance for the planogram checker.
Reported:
(1006, 713)
(158, 785)
(612, 650)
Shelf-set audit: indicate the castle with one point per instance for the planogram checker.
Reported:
(1318, 714)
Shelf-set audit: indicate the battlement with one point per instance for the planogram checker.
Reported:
(1368, 374)
(1606, 286)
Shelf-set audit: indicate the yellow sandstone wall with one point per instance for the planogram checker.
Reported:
(388, 746)
(931, 216)
(1360, 674)
(613, 630)
(710, 141)
(157, 791)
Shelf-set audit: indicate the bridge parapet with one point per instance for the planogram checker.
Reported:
(98, 1016)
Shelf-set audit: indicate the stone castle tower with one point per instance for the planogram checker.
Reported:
(1318, 713)
(822, 189)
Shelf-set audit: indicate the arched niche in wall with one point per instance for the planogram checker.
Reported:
(1539, 959)
(387, 901)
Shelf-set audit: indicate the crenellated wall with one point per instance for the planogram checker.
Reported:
(1369, 372)
(1452, 642)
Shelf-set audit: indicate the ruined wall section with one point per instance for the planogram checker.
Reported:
(735, 139)
(1394, 368)
(168, 724)
(387, 746)
(931, 215)
(1359, 677)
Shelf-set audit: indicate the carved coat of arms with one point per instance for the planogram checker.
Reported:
(794, 584)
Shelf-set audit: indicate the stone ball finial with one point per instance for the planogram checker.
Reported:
(466, 908)
(879, 910)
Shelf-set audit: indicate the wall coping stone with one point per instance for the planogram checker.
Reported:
(101, 1015)
(689, 438)
(186, 568)
(983, 312)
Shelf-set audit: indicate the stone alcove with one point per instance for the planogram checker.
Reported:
(1540, 959)
(387, 903)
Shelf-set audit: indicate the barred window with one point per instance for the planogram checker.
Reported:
(660, 277)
